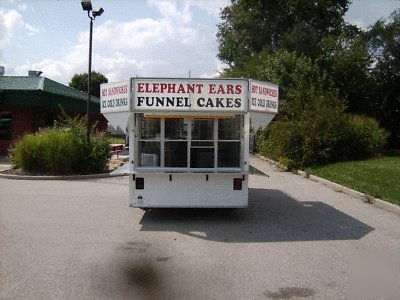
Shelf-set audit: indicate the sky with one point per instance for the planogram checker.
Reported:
(145, 38)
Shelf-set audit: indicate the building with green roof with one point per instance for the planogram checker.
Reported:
(28, 103)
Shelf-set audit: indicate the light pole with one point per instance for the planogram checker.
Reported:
(92, 14)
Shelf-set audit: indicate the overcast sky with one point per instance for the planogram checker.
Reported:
(132, 38)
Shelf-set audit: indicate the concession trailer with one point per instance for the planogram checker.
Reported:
(188, 138)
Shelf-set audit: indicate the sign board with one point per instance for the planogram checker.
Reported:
(263, 97)
(115, 97)
(152, 94)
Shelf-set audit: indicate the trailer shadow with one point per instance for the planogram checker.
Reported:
(272, 216)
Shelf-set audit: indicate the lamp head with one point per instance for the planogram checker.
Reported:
(86, 5)
(97, 12)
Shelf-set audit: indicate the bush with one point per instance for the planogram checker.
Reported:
(364, 138)
(310, 136)
(58, 150)
(27, 153)
(61, 150)
(93, 156)
(312, 127)
(302, 143)
(280, 142)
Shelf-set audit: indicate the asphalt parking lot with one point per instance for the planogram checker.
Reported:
(78, 239)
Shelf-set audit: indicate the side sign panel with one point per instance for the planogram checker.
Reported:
(115, 97)
(263, 97)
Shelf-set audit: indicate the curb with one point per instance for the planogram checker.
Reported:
(341, 189)
(348, 191)
(61, 177)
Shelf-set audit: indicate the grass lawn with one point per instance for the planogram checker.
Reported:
(376, 177)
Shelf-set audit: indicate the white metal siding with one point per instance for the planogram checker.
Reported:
(189, 190)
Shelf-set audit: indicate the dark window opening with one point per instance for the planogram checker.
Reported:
(5, 126)
(228, 154)
(175, 154)
(203, 129)
(175, 129)
(202, 157)
(43, 119)
(229, 129)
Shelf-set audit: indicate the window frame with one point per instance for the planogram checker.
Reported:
(188, 122)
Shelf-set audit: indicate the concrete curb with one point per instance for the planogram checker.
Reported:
(341, 189)
(61, 177)
(348, 191)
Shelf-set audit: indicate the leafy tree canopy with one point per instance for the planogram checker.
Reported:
(383, 40)
(250, 26)
(363, 66)
(80, 82)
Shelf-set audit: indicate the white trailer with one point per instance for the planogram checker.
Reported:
(188, 138)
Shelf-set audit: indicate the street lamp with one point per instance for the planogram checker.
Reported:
(92, 14)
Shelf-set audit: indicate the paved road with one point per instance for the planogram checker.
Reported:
(297, 240)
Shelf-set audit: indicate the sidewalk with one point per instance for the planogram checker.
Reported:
(4, 163)
(285, 181)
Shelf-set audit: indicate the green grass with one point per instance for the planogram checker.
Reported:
(116, 140)
(376, 177)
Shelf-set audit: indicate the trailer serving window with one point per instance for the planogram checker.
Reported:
(149, 140)
(229, 142)
(175, 143)
(189, 143)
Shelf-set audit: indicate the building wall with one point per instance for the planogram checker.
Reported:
(21, 123)
(26, 120)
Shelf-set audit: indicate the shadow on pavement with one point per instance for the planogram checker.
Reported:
(272, 216)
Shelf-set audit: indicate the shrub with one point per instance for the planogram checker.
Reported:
(27, 153)
(58, 151)
(92, 156)
(279, 142)
(303, 143)
(310, 136)
(61, 150)
(312, 126)
(364, 138)
(89, 157)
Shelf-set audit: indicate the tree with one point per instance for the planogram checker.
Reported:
(323, 68)
(383, 40)
(250, 26)
(80, 82)
(312, 126)
(300, 80)
(346, 59)
(311, 112)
